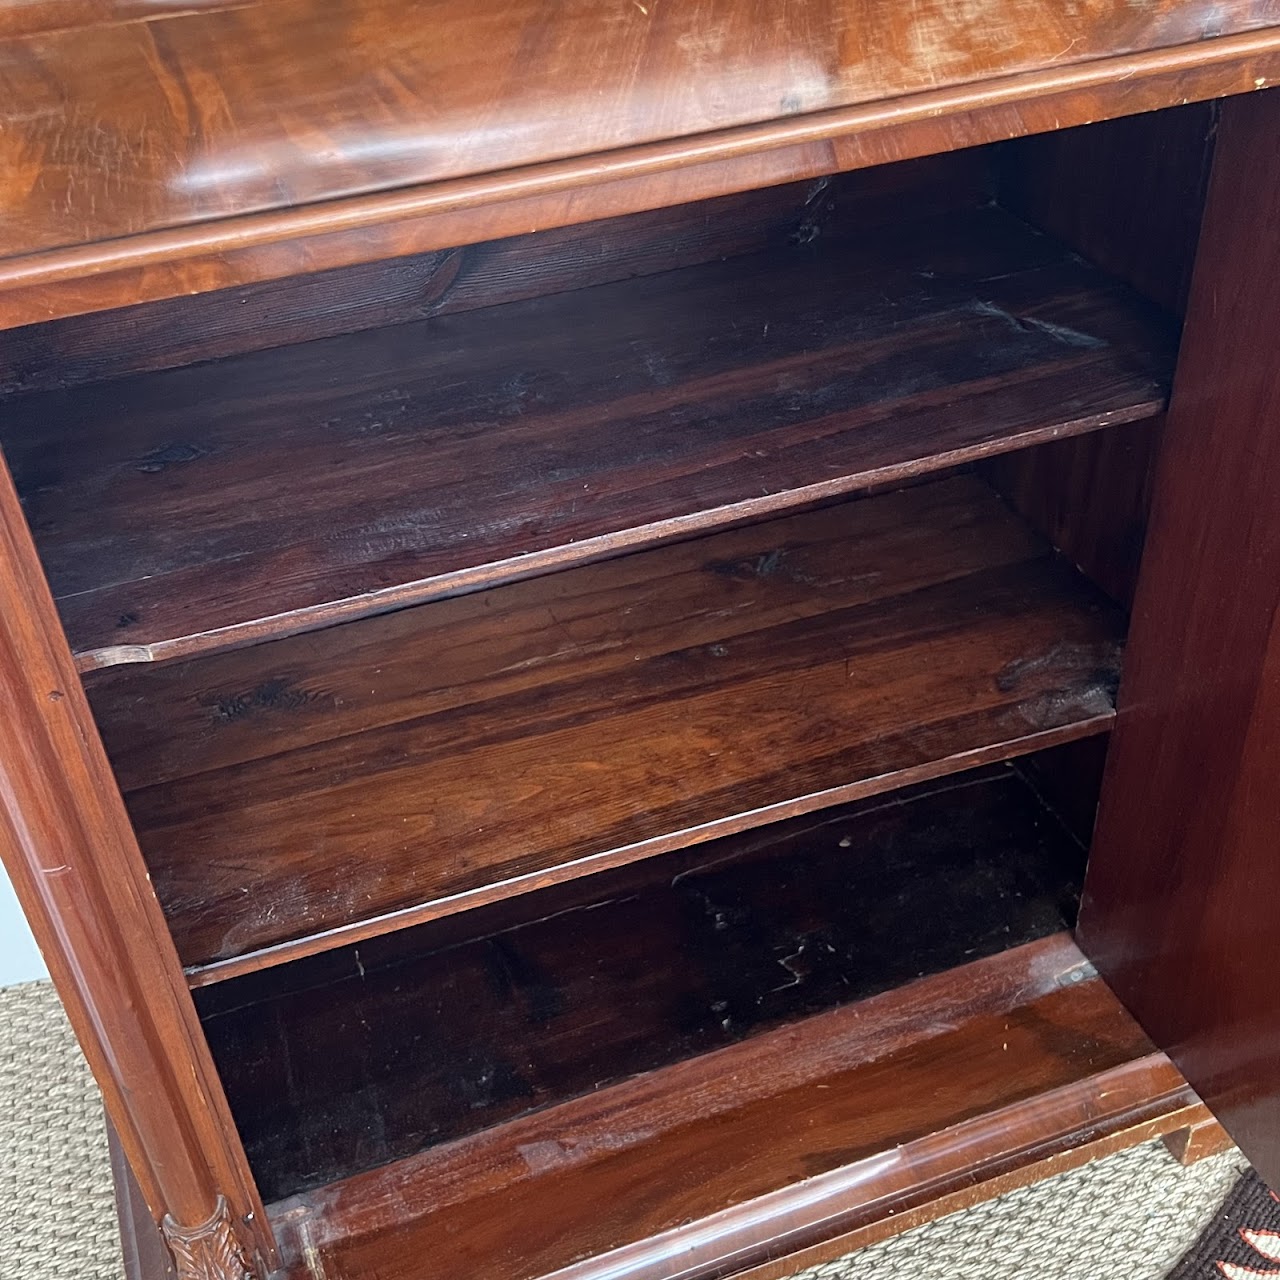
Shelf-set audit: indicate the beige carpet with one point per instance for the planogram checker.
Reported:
(1126, 1218)
(57, 1212)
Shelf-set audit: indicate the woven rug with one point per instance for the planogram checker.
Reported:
(1129, 1217)
(57, 1208)
(1243, 1240)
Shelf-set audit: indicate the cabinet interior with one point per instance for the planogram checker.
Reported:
(672, 653)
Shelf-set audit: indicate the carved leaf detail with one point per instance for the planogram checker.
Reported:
(210, 1251)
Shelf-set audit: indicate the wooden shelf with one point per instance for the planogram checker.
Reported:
(459, 1025)
(260, 495)
(799, 1142)
(328, 787)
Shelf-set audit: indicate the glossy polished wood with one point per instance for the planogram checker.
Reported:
(768, 1147)
(336, 785)
(75, 865)
(800, 1138)
(933, 123)
(165, 147)
(1181, 891)
(444, 1036)
(238, 109)
(472, 449)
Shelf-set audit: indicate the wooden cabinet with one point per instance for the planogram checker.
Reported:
(638, 639)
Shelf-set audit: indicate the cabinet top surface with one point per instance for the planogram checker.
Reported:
(120, 118)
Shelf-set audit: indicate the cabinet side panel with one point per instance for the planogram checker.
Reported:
(1180, 899)
(1127, 194)
(144, 1254)
(68, 846)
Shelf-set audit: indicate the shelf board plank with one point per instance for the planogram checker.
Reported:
(328, 787)
(465, 1023)
(189, 510)
(993, 1070)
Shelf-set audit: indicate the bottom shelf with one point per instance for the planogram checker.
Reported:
(344, 1061)
(782, 1151)
(704, 1062)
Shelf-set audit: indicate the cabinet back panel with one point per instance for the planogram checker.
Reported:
(1127, 194)
(1090, 496)
(278, 492)
(171, 333)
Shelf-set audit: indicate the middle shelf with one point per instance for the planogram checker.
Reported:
(327, 787)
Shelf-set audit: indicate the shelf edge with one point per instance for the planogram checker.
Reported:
(390, 922)
(1104, 1109)
(591, 550)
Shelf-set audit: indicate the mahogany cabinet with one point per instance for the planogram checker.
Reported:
(639, 640)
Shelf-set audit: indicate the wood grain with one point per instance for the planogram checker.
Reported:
(154, 151)
(145, 1255)
(1180, 897)
(1127, 194)
(1090, 496)
(443, 1037)
(425, 761)
(74, 863)
(767, 1147)
(235, 110)
(470, 449)
(276, 313)
(1198, 1142)
(149, 155)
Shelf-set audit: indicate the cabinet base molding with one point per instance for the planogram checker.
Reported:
(1198, 1142)
(789, 1148)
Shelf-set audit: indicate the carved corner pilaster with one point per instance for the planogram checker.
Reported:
(210, 1251)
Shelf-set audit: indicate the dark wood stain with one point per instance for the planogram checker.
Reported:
(277, 313)
(481, 617)
(1090, 496)
(283, 490)
(750, 1152)
(482, 746)
(1128, 194)
(128, 178)
(686, 954)
(1181, 893)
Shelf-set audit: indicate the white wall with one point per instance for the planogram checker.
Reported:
(19, 959)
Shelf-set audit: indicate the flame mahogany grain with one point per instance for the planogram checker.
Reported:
(540, 399)
(199, 149)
